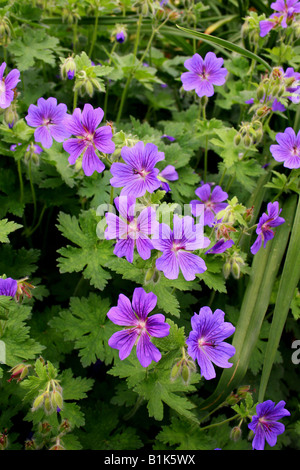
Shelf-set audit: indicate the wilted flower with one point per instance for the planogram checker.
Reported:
(7, 86)
(89, 138)
(8, 287)
(266, 222)
(139, 327)
(48, 117)
(206, 341)
(203, 74)
(264, 423)
(288, 150)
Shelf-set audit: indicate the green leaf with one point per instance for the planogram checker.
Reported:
(35, 45)
(91, 253)
(7, 227)
(87, 325)
(226, 45)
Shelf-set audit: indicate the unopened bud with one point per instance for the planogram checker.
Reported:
(226, 269)
(243, 390)
(89, 88)
(38, 402)
(236, 271)
(235, 434)
(175, 370)
(247, 140)
(48, 405)
(237, 139)
(289, 81)
(10, 116)
(260, 93)
(20, 371)
(185, 374)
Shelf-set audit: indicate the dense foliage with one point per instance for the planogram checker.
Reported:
(149, 224)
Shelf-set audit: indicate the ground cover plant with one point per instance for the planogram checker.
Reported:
(149, 225)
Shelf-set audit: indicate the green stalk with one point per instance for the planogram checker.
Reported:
(75, 97)
(32, 192)
(288, 283)
(21, 181)
(124, 94)
(94, 37)
(264, 270)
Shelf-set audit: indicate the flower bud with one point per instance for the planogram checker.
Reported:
(10, 116)
(237, 139)
(44, 428)
(247, 140)
(289, 81)
(235, 269)
(3, 440)
(38, 402)
(243, 390)
(175, 370)
(260, 92)
(68, 68)
(89, 88)
(20, 371)
(235, 434)
(226, 269)
(203, 100)
(185, 373)
(48, 405)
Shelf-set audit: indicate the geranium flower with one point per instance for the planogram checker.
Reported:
(285, 10)
(266, 222)
(212, 200)
(177, 247)
(206, 341)
(288, 150)
(167, 174)
(138, 174)
(7, 86)
(89, 138)
(220, 246)
(48, 118)
(139, 327)
(203, 74)
(264, 423)
(131, 231)
(8, 287)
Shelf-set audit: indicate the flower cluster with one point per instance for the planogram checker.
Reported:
(285, 11)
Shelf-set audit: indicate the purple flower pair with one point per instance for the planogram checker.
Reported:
(264, 423)
(288, 150)
(139, 327)
(130, 230)
(266, 222)
(7, 86)
(8, 287)
(212, 201)
(177, 246)
(285, 10)
(138, 174)
(203, 74)
(206, 341)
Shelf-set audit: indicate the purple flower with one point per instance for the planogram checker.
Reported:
(206, 341)
(89, 138)
(264, 423)
(48, 117)
(37, 148)
(120, 37)
(177, 247)
(203, 74)
(7, 86)
(286, 9)
(213, 202)
(8, 287)
(167, 174)
(169, 137)
(70, 74)
(288, 150)
(220, 246)
(138, 174)
(265, 225)
(131, 231)
(139, 328)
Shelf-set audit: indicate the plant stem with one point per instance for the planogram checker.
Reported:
(94, 32)
(75, 99)
(32, 192)
(220, 423)
(21, 181)
(75, 36)
(129, 78)
(111, 195)
(107, 82)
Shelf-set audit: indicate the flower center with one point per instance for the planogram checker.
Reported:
(295, 151)
(204, 75)
(133, 230)
(143, 173)
(141, 327)
(2, 87)
(47, 121)
(209, 205)
(89, 137)
(176, 247)
(202, 342)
